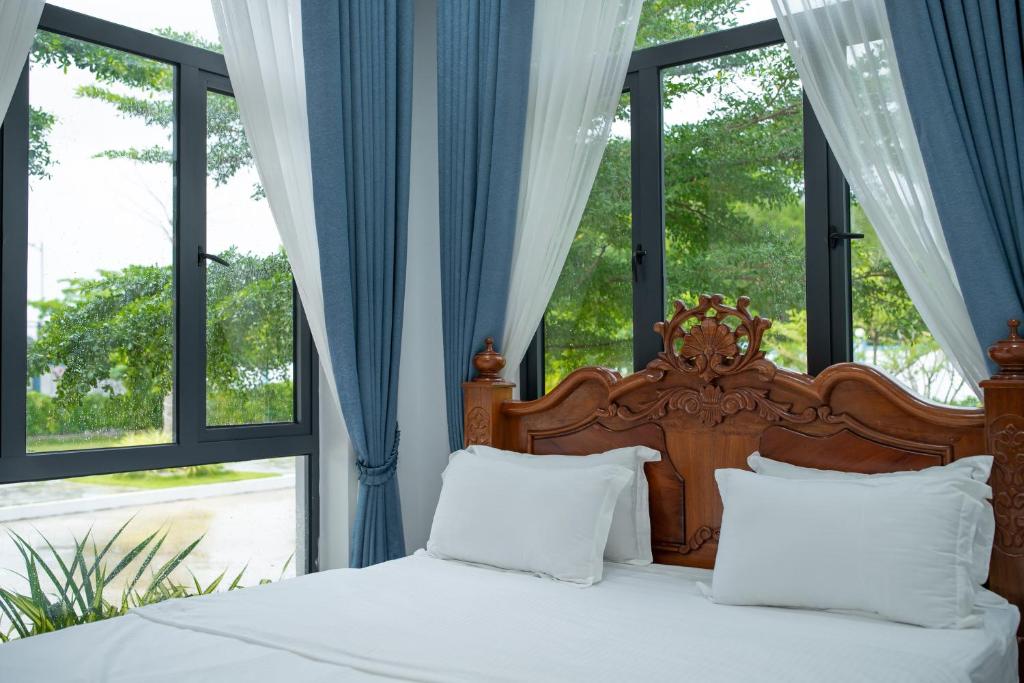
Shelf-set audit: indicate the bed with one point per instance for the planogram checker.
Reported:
(708, 400)
(426, 619)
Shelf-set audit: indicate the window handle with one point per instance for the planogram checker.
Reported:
(203, 257)
(638, 260)
(835, 236)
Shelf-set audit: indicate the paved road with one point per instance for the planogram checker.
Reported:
(254, 528)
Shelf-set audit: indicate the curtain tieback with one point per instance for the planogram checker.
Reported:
(378, 475)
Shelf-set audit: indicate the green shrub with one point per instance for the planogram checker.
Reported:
(270, 402)
(96, 412)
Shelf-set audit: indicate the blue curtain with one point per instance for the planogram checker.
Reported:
(483, 73)
(358, 64)
(961, 65)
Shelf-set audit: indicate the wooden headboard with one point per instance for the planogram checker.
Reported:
(711, 397)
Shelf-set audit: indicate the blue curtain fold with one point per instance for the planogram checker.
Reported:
(483, 74)
(962, 70)
(358, 66)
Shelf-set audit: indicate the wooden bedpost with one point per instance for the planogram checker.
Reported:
(483, 396)
(1004, 434)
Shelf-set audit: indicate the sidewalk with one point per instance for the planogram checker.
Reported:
(102, 500)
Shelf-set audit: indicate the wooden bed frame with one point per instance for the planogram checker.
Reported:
(711, 397)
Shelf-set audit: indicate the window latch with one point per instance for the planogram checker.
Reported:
(203, 257)
(835, 236)
(638, 260)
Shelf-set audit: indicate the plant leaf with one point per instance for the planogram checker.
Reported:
(169, 566)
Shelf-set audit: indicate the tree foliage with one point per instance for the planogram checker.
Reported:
(143, 89)
(114, 335)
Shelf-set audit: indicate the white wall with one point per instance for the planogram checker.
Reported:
(338, 483)
(423, 451)
(421, 409)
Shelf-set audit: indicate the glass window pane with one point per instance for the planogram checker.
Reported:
(101, 216)
(589, 320)
(189, 21)
(666, 21)
(249, 305)
(246, 516)
(734, 186)
(888, 331)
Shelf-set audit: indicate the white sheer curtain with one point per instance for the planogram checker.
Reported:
(263, 49)
(18, 22)
(843, 52)
(579, 58)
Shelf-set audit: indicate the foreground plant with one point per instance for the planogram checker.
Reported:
(77, 590)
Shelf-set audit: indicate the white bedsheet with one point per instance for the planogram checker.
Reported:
(424, 619)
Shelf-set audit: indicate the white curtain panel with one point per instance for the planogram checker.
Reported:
(18, 22)
(843, 52)
(262, 42)
(578, 63)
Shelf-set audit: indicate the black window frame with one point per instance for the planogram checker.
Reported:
(826, 210)
(197, 72)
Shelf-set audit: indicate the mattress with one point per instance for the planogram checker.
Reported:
(424, 619)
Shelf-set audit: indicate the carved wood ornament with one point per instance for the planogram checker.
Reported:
(712, 396)
(711, 349)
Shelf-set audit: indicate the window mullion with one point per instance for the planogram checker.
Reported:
(189, 236)
(648, 212)
(14, 148)
(818, 250)
(840, 284)
(826, 210)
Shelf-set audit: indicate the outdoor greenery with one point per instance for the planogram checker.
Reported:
(84, 589)
(109, 338)
(734, 220)
(173, 477)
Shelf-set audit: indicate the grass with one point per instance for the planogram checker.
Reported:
(149, 479)
(154, 479)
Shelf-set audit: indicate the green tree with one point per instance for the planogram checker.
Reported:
(113, 335)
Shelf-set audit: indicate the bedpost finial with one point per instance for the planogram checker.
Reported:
(1009, 353)
(488, 363)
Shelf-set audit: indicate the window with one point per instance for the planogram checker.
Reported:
(732, 147)
(732, 190)
(250, 306)
(887, 329)
(590, 318)
(100, 288)
(156, 364)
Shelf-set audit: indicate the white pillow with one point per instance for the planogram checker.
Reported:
(506, 514)
(898, 547)
(976, 467)
(629, 539)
